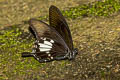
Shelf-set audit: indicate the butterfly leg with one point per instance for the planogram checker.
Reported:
(27, 54)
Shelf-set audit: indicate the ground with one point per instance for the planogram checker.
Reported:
(97, 38)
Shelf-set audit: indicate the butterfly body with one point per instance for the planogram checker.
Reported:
(54, 41)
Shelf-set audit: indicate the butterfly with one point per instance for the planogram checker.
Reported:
(52, 42)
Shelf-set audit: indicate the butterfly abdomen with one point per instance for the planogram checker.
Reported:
(27, 54)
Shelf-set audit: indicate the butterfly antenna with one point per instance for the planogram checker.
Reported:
(27, 54)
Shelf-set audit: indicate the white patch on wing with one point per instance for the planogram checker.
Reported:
(48, 43)
(44, 38)
(51, 41)
(41, 37)
(35, 46)
(44, 49)
(49, 54)
(44, 45)
(33, 51)
(51, 57)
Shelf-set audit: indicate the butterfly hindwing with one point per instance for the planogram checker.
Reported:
(49, 45)
(57, 20)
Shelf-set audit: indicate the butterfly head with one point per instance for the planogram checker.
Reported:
(72, 54)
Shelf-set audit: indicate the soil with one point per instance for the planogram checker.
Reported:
(98, 41)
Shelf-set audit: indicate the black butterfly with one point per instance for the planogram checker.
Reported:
(54, 41)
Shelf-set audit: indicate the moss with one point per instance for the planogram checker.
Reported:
(12, 45)
(14, 41)
(98, 8)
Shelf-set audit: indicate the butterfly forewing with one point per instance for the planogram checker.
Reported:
(57, 21)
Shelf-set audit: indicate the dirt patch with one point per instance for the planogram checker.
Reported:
(98, 40)
(14, 12)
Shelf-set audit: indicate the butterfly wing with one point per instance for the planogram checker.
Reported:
(57, 21)
(49, 45)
